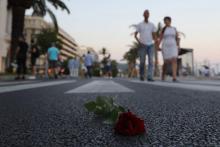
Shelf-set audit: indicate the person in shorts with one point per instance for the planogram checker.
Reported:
(108, 67)
(88, 61)
(21, 57)
(53, 55)
(34, 56)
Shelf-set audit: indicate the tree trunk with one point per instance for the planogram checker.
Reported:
(20, 3)
(17, 29)
(18, 14)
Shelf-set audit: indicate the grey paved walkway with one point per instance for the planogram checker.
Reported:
(47, 117)
(190, 85)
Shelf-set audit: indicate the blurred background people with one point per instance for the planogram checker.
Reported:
(71, 64)
(88, 61)
(21, 57)
(108, 67)
(34, 56)
(53, 56)
(76, 67)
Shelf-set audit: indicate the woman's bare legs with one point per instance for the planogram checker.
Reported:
(174, 68)
(164, 70)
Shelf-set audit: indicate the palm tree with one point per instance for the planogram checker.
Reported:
(131, 56)
(45, 38)
(40, 8)
(103, 52)
(156, 63)
(18, 11)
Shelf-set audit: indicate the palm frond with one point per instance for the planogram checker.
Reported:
(59, 4)
(159, 29)
(134, 26)
(182, 34)
(39, 7)
(53, 17)
(132, 54)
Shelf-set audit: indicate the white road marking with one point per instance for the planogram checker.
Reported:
(185, 85)
(204, 82)
(31, 86)
(101, 86)
(17, 82)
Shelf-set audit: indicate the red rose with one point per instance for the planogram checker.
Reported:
(129, 124)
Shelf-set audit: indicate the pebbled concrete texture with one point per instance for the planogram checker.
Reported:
(46, 116)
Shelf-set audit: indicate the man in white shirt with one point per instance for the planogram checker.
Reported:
(146, 39)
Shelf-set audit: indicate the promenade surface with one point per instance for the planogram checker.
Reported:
(50, 113)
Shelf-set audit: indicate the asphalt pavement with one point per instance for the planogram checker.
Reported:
(51, 113)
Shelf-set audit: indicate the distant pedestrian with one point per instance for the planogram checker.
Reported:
(61, 66)
(71, 66)
(170, 46)
(147, 31)
(88, 63)
(83, 69)
(21, 57)
(76, 67)
(108, 67)
(46, 66)
(134, 70)
(53, 56)
(34, 56)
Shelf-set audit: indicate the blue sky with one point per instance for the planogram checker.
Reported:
(101, 23)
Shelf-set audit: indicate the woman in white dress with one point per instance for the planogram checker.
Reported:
(170, 47)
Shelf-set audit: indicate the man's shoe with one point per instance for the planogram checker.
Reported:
(150, 80)
(175, 81)
(142, 78)
(17, 78)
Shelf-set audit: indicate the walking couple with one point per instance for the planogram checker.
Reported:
(149, 40)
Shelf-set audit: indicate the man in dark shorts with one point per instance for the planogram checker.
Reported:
(21, 57)
(53, 54)
(34, 55)
(108, 67)
(88, 63)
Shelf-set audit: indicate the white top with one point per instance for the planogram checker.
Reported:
(145, 30)
(169, 44)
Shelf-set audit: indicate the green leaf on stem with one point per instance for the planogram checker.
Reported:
(106, 108)
(90, 106)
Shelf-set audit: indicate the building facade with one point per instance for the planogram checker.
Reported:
(34, 25)
(70, 48)
(5, 33)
